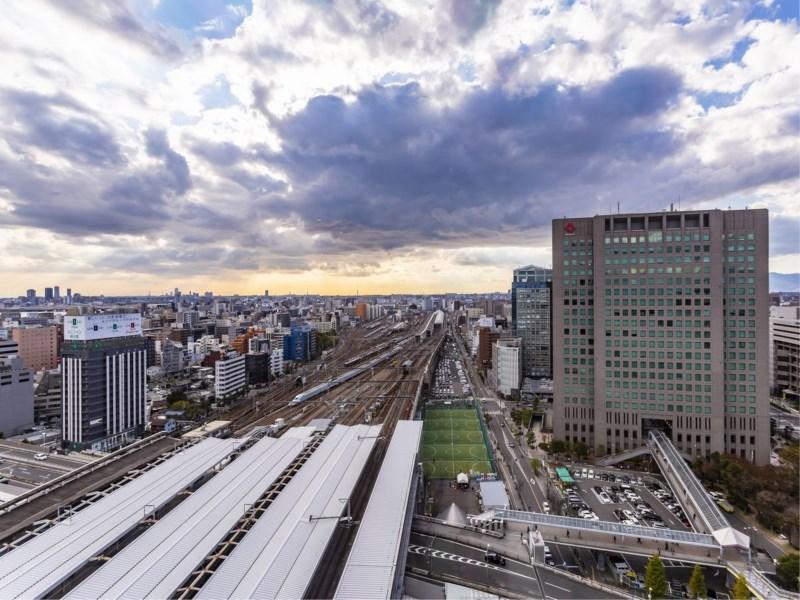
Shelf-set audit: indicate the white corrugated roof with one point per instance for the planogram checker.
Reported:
(370, 568)
(48, 559)
(158, 561)
(279, 555)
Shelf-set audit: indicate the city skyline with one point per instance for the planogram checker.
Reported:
(380, 147)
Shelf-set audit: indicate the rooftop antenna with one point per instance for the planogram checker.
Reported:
(617, 207)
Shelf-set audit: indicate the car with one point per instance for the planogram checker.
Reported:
(639, 481)
(605, 497)
(783, 537)
(40, 456)
(591, 473)
(495, 558)
(629, 514)
(584, 473)
(546, 507)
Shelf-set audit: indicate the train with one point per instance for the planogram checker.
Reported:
(407, 366)
(329, 385)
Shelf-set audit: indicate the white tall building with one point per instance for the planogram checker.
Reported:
(230, 375)
(276, 363)
(507, 366)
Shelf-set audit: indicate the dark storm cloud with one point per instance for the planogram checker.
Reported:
(89, 202)
(115, 17)
(59, 124)
(390, 169)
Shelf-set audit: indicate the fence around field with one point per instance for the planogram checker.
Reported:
(486, 441)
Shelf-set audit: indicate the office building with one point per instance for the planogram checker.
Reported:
(531, 318)
(487, 336)
(31, 295)
(784, 333)
(48, 295)
(301, 344)
(38, 346)
(173, 357)
(257, 368)
(8, 348)
(56, 293)
(507, 367)
(16, 395)
(103, 380)
(230, 376)
(661, 322)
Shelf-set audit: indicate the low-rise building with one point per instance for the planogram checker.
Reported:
(784, 333)
(16, 396)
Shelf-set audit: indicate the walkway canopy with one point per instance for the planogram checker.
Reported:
(564, 476)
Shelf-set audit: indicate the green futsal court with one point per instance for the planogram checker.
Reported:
(452, 443)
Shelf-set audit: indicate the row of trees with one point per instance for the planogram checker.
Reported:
(770, 492)
(655, 579)
(655, 582)
(560, 448)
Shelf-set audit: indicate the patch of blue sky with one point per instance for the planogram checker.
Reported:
(716, 99)
(735, 56)
(777, 10)
(217, 94)
(204, 18)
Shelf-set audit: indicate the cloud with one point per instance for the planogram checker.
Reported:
(391, 162)
(60, 124)
(375, 139)
(117, 19)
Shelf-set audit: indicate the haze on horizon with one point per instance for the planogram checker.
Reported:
(379, 146)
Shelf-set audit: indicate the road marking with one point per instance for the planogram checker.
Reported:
(563, 589)
(423, 551)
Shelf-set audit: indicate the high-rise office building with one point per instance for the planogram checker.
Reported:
(56, 292)
(103, 380)
(660, 321)
(31, 295)
(531, 320)
(48, 294)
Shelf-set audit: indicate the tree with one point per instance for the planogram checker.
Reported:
(580, 449)
(697, 583)
(740, 590)
(788, 571)
(536, 464)
(558, 446)
(655, 579)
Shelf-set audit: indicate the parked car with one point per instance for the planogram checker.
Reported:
(40, 456)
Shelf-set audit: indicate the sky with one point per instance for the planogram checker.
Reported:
(369, 146)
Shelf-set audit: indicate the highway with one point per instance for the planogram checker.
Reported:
(465, 562)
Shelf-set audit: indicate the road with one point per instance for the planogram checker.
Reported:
(466, 562)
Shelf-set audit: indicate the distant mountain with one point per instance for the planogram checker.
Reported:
(784, 282)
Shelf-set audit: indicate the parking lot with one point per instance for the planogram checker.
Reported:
(450, 379)
(611, 495)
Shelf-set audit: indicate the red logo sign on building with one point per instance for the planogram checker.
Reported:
(569, 228)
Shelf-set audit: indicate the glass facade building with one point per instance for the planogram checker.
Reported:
(530, 316)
